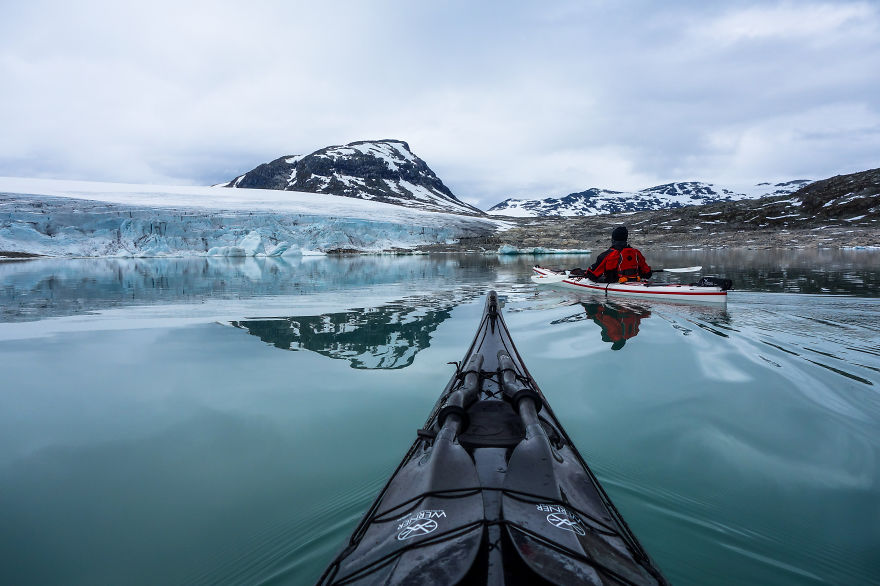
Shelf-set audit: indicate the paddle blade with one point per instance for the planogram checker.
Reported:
(682, 270)
(559, 524)
(547, 279)
(431, 539)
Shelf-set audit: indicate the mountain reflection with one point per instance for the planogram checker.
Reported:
(39, 289)
(385, 337)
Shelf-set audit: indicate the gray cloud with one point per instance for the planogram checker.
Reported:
(500, 98)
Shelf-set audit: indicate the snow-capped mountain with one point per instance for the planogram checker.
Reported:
(670, 195)
(378, 170)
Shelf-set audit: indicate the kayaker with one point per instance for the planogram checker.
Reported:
(620, 263)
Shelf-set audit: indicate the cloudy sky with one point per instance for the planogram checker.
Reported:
(501, 99)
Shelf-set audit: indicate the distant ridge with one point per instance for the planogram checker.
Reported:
(597, 201)
(840, 211)
(379, 170)
(851, 200)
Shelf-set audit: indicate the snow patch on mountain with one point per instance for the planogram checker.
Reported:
(670, 195)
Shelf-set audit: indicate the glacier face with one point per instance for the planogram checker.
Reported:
(670, 195)
(55, 218)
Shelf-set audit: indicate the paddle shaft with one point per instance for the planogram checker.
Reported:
(679, 270)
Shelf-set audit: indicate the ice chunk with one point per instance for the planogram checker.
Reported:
(252, 244)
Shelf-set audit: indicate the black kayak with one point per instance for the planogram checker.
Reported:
(492, 492)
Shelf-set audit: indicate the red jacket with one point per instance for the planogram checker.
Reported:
(619, 262)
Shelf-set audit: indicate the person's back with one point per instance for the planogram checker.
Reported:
(621, 262)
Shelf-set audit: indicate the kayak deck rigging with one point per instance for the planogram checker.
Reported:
(492, 491)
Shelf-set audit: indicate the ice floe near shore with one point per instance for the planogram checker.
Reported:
(509, 249)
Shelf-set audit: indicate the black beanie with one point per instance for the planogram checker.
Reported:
(619, 234)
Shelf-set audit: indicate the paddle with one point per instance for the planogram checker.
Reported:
(679, 270)
(547, 279)
(427, 525)
(558, 278)
(543, 489)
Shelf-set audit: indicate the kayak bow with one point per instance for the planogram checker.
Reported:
(492, 491)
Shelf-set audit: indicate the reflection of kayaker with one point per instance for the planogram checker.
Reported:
(618, 324)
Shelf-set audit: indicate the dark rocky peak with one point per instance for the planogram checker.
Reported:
(690, 188)
(851, 201)
(855, 193)
(795, 183)
(380, 170)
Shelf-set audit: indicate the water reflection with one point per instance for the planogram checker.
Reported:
(618, 323)
(812, 270)
(44, 288)
(384, 337)
(776, 395)
(37, 289)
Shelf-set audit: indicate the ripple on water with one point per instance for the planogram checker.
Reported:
(298, 543)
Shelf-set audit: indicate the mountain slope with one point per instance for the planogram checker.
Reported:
(379, 170)
(841, 211)
(671, 195)
(852, 199)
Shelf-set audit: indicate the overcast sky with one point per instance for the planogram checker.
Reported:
(501, 99)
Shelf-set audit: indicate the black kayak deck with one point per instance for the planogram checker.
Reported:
(492, 491)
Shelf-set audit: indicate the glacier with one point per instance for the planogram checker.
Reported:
(88, 219)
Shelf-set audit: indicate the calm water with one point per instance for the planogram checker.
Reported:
(195, 421)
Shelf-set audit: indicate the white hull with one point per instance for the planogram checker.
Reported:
(642, 289)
